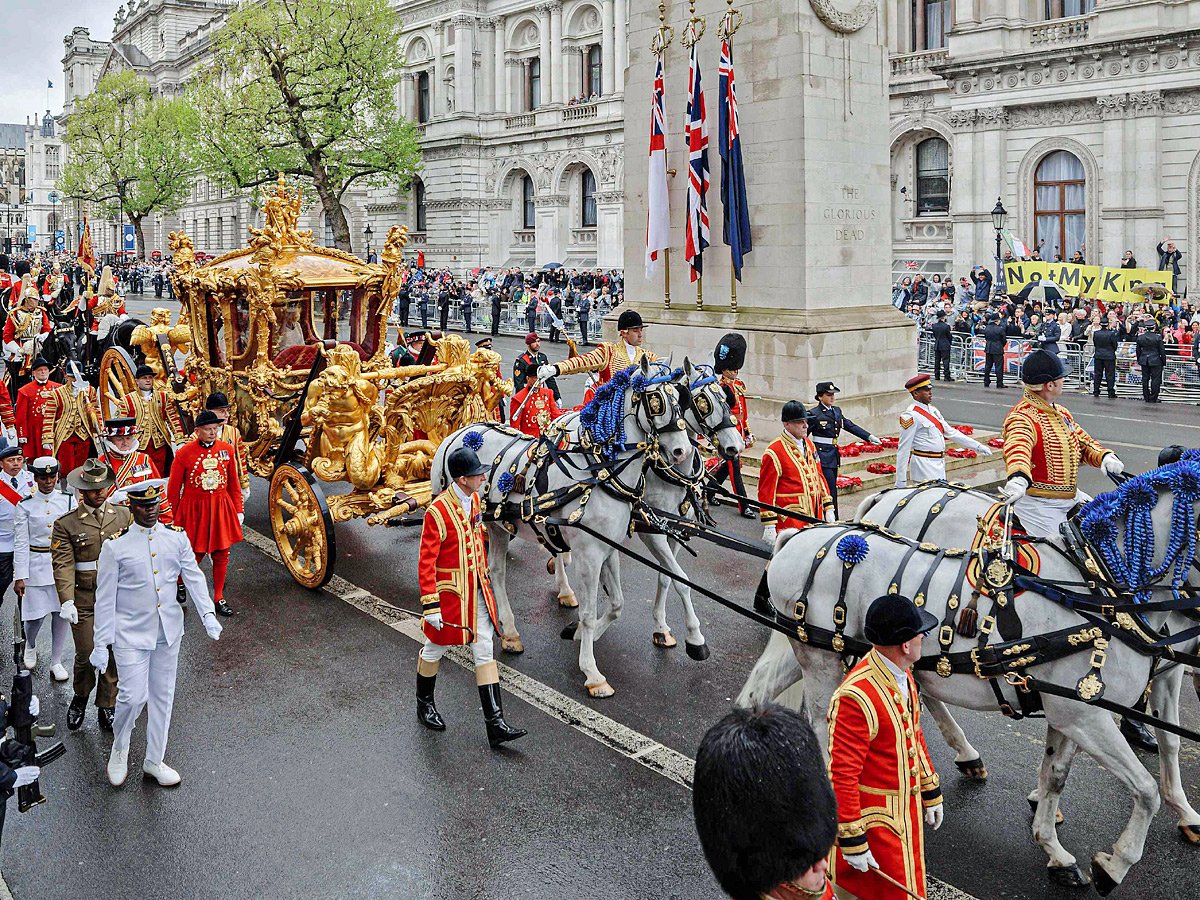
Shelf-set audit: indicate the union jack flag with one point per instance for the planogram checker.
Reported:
(733, 178)
(1015, 352)
(912, 265)
(696, 136)
(658, 211)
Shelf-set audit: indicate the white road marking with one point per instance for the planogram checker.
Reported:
(634, 745)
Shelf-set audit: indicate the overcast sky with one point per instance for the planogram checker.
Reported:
(33, 50)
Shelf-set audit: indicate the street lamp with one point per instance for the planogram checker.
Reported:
(368, 232)
(999, 214)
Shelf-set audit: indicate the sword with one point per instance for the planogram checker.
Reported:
(533, 389)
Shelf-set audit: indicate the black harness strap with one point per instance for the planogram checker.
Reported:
(900, 504)
(898, 578)
(946, 632)
(923, 590)
(802, 600)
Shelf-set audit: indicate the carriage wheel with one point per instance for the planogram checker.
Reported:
(302, 525)
(116, 380)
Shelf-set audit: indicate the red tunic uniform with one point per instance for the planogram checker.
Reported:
(28, 328)
(102, 306)
(6, 410)
(158, 423)
(452, 569)
(537, 411)
(882, 778)
(71, 418)
(205, 494)
(131, 469)
(32, 400)
(606, 360)
(1043, 443)
(790, 476)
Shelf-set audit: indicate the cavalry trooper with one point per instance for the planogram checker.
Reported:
(23, 331)
(1043, 448)
(159, 427)
(136, 615)
(456, 596)
(728, 359)
(825, 424)
(609, 357)
(923, 433)
(75, 545)
(878, 759)
(33, 571)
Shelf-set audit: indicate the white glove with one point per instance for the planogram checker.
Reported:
(861, 861)
(69, 612)
(11, 435)
(434, 620)
(1014, 489)
(212, 626)
(99, 659)
(874, 440)
(35, 705)
(26, 775)
(933, 816)
(1110, 465)
(830, 515)
(241, 518)
(245, 494)
(545, 373)
(986, 450)
(769, 532)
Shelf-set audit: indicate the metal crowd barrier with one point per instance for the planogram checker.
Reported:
(513, 319)
(1180, 382)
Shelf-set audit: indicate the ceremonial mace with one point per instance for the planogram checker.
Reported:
(692, 32)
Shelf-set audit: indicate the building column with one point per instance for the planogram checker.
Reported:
(620, 44)
(514, 70)
(549, 214)
(558, 83)
(464, 64)
(919, 26)
(487, 75)
(500, 102)
(607, 49)
(1113, 241)
(437, 90)
(571, 73)
(408, 107)
(544, 54)
(610, 232)
(528, 98)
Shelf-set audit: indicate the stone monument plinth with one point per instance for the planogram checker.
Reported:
(815, 300)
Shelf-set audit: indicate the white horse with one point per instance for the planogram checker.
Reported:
(1071, 724)
(587, 469)
(706, 414)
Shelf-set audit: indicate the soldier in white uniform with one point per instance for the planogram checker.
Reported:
(923, 433)
(33, 569)
(15, 485)
(137, 614)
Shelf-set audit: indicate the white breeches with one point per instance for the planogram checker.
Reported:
(1041, 516)
(481, 649)
(147, 680)
(921, 468)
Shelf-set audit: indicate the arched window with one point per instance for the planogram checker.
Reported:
(933, 177)
(587, 183)
(419, 203)
(533, 90)
(423, 96)
(931, 19)
(1062, 9)
(594, 71)
(527, 218)
(1059, 192)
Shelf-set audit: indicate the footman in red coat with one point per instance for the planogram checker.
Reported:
(207, 499)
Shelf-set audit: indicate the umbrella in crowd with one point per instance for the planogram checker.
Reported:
(1151, 291)
(552, 266)
(1046, 291)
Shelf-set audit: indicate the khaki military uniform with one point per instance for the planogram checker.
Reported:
(75, 545)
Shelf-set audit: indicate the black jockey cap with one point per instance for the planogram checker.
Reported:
(827, 387)
(630, 318)
(216, 400)
(764, 808)
(730, 353)
(1171, 454)
(793, 411)
(893, 619)
(147, 493)
(1042, 367)
(143, 371)
(38, 363)
(207, 417)
(463, 463)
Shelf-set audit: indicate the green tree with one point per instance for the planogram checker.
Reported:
(126, 151)
(307, 88)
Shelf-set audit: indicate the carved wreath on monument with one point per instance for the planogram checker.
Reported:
(843, 21)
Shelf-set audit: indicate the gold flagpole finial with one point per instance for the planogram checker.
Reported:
(664, 34)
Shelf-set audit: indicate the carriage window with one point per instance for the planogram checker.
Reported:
(241, 333)
(287, 331)
(216, 335)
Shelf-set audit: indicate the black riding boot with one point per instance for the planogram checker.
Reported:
(762, 597)
(498, 731)
(1139, 736)
(427, 713)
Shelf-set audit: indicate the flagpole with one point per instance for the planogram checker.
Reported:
(658, 45)
(692, 32)
(730, 23)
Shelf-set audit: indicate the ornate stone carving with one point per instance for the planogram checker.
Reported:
(992, 117)
(961, 121)
(917, 101)
(1068, 112)
(1112, 106)
(551, 200)
(843, 21)
(1182, 102)
(1145, 101)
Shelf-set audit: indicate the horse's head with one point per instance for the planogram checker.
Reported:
(653, 402)
(706, 409)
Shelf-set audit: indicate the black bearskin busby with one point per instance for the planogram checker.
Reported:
(730, 353)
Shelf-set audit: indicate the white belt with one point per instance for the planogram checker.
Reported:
(821, 440)
(85, 567)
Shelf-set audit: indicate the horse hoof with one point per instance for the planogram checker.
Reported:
(600, 691)
(1101, 880)
(568, 632)
(973, 769)
(512, 645)
(568, 602)
(1059, 818)
(1190, 833)
(665, 640)
(1068, 876)
(697, 651)
(550, 565)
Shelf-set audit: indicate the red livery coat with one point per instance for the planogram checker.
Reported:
(32, 402)
(206, 496)
(738, 411)
(6, 409)
(131, 469)
(1043, 443)
(452, 569)
(790, 476)
(882, 778)
(537, 411)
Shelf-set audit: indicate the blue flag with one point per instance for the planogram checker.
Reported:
(49, 84)
(736, 226)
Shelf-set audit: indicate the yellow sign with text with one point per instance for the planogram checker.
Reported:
(1020, 274)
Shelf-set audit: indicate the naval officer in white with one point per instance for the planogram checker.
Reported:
(137, 613)
(921, 454)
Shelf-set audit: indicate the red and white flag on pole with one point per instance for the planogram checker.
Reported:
(658, 219)
(696, 138)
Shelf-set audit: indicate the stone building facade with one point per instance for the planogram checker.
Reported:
(1079, 115)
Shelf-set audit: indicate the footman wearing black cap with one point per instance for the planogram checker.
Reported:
(609, 357)
(825, 423)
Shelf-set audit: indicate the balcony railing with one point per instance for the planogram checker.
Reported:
(583, 235)
(1060, 31)
(913, 64)
(525, 236)
(523, 121)
(417, 238)
(581, 111)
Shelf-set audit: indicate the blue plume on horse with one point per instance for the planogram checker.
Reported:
(473, 439)
(604, 418)
(853, 549)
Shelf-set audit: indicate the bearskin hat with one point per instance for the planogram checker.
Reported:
(730, 353)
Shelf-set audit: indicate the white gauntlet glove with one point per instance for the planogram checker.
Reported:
(985, 450)
(933, 816)
(69, 612)
(1111, 465)
(769, 532)
(241, 518)
(1014, 489)
(35, 705)
(99, 659)
(545, 373)
(861, 861)
(434, 620)
(212, 626)
(830, 515)
(26, 775)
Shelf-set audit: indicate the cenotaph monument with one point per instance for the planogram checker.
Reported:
(814, 304)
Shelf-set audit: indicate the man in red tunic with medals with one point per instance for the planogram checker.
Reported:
(456, 597)
(885, 785)
(158, 421)
(533, 406)
(219, 404)
(207, 499)
(32, 401)
(763, 806)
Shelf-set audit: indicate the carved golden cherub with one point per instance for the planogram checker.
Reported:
(145, 338)
(342, 406)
